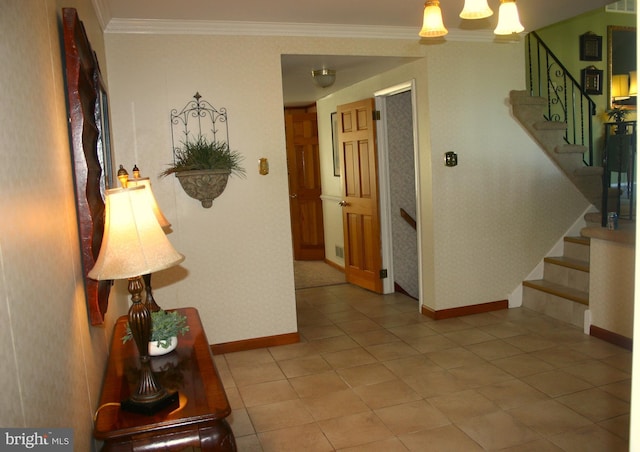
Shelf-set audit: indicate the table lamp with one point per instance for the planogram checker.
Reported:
(164, 224)
(134, 244)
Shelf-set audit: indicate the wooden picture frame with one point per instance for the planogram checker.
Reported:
(336, 144)
(591, 80)
(92, 160)
(590, 47)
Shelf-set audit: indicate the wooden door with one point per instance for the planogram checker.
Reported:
(360, 211)
(305, 205)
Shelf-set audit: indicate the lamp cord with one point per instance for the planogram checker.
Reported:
(95, 416)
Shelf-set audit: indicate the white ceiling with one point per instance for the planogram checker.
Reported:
(392, 16)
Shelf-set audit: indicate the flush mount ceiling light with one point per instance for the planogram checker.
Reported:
(324, 78)
(508, 18)
(432, 26)
(475, 9)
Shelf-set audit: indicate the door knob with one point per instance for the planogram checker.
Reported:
(343, 204)
(293, 196)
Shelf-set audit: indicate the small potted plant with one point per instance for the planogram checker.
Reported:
(165, 328)
(203, 168)
(619, 115)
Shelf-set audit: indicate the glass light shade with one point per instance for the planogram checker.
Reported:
(324, 78)
(508, 18)
(133, 244)
(432, 26)
(475, 9)
(146, 182)
(620, 86)
(633, 83)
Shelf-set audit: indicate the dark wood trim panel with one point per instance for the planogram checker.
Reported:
(611, 337)
(465, 310)
(258, 342)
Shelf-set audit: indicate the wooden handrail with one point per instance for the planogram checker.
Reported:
(407, 218)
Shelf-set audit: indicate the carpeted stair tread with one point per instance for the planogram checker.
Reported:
(579, 238)
(550, 125)
(571, 149)
(558, 290)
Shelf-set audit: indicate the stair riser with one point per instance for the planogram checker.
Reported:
(576, 251)
(557, 307)
(569, 277)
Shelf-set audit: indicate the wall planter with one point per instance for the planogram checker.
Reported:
(203, 164)
(204, 185)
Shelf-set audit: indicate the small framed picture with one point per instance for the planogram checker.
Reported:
(590, 47)
(592, 80)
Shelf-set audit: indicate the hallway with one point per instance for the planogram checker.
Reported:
(372, 374)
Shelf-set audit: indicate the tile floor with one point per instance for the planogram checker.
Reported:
(372, 374)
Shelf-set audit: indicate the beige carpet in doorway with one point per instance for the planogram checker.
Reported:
(315, 274)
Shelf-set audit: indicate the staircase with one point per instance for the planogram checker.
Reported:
(563, 292)
(529, 110)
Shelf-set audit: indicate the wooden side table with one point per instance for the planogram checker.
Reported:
(197, 420)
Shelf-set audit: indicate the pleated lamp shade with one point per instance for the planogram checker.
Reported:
(133, 244)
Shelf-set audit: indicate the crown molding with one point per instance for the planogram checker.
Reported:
(207, 27)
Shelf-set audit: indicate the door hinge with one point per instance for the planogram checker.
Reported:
(376, 115)
(383, 273)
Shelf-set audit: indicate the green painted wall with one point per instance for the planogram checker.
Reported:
(563, 39)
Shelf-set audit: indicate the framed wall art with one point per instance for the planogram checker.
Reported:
(592, 80)
(590, 47)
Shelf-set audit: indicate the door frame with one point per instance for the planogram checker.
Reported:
(384, 183)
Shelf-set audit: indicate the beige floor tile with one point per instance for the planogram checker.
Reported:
(596, 372)
(445, 439)
(307, 438)
(292, 351)
(388, 393)
(434, 383)
(366, 375)
(497, 430)
(398, 319)
(249, 443)
(448, 325)
(455, 357)
(597, 349)
(425, 344)
(620, 389)
(540, 445)
(334, 344)
(622, 361)
(248, 358)
(315, 385)
(270, 392)
(463, 405)
(349, 358)
(590, 438)
(312, 333)
(391, 351)
(359, 326)
(235, 400)
(560, 356)
(415, 365)
(549, 417)
(522, 365)
(480, 375)
(511, 394)
(618, 426)
(304, 366)
(412, 417)
(385, 445)
(595, 404)
(556, 383)
(279, 415)
(355, 430)
(412, 331)
(530, 342)
(335, 404)
(469, 336)
(258, 373)
(491, 350)
(374, 337)
(504, 329)
(240, 423)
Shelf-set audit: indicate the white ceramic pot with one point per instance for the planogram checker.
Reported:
(156, 349)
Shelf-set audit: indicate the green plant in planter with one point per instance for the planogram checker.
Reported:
(617, 114)
(202, 154)
(164, 325)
